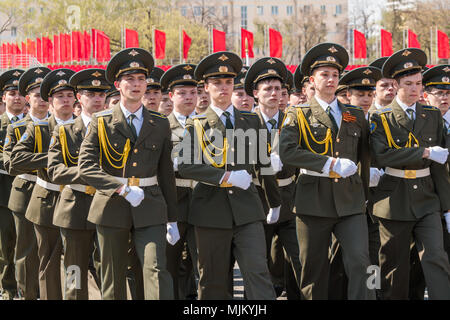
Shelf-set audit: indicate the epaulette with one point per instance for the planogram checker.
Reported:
(303, 105)
(103, 113)
(384, 110)
(353, 107)
(20, 123)
(157, 114)
(41, 123)
(198, 116)
(431, 108)
(248, 113)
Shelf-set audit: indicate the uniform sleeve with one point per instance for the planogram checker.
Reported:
(89, 165)
(23, 158)
(10, 142)
(58, 172)
(364, 155)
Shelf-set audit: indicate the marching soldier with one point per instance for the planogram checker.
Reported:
(225, 208)
(112, 98)
(384, 90)
(406, 139)
(182, 87)
(153, 95)
(298, 94)
(240, 99)
(203, 99)
(31, 153)
(327, 139)
(286, 89)
(72, 209)
(26, 258)
(166, 105)
(126, 157)
(265, 81)
(14, 108)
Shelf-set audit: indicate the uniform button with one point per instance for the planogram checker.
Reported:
(232, 163)
(338, 140)
(315, 132)
(230, 191)
(134, 164)
(415, 186)
(355, 134)
(336, 180)
(337, 153)
(429, 139)
(135, 150)
(232, 149)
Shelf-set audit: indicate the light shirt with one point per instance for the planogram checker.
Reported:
(86, 119)
(10, 116)
(182, 118)
(60, 122)
(266, 120)
(378, 106)
(404, 107)
(447, 119)
(36, 119)
(220, 112)
(335, 111)
(137, 121)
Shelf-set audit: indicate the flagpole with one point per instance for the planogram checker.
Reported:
(211, 40)
(180, 45)
(437, 57)
(247, 63)
(431, 45)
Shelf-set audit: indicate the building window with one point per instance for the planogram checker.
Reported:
(13, 32)
(225, 11)
(338, 9)
(289, 10)
(274, 10)
(244, 17)
(323, 9)
(260, 10)
(197, 11)
(211, 11)
(183, 11)
(306, 8)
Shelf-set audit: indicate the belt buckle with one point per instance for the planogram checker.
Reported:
(226, 185)
(133, 181)
(410, 174)
(334, 175)
(90, 190)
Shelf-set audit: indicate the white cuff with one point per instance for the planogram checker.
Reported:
(326, 167)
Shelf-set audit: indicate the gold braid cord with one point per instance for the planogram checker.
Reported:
(390, 139)
(304, 129)
(105, 147)
(206, 148)
(65, 148)
(37, 139)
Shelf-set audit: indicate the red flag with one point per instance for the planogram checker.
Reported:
(275, 43)
(76, 45)
(31, 47)
(186, 45)
(56, 52)
(359, 45)
(131, 38)
(246, 35)
(160, 44)
(24, 48)
(68, 47)
(101, 44)
(47, 50)
(219, 42)
(386, 43)
(39, 50)
(87, 45)
(413, 42)
(443, 47)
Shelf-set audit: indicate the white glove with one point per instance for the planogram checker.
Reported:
(175, 164)
(135, 196)
(240, 179)
(274, 215)
(375, 175)
(345, 167)
(447, 220)
(172, 235)
(275, 162)
(438, 154)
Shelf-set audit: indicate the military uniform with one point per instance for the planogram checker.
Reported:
(226, 218)
(326, 203)
(8, 81)
(413, 191)
(111, 156)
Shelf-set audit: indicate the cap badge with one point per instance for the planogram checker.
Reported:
(60, 73)
(62, 82)
(96, 74)
(332, 59)
(408, 65)
(367, 71)
(134, 64)
(242, 80)
(133, 53)
(332, 49)
(445, 79)
(39, 80)
(96, 83)
(406, 53)
(38, 71)
(16, 82)
(271, 71)
(223, 68)
(223, 57)
(16, 74)
(446, 69)
(365, 81)
(150, 80)
(187, 77)
(271, 61)
(187, 68)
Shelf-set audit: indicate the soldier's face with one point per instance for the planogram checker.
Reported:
(268, 93)
(385, 90)
(132, 86)
(111, 102)
(203, 99)
(152, 98)
(297, 98)
(184, 99)
(361, 98)
(439, 98)
(308, 90)
(166, 105)
(342, 97)
(220, 90)
(37, 104)
(409, 88)
(62, 102)
(14, 102)
(284, 99)
(242, 101)
(325, 80)
(91, 101)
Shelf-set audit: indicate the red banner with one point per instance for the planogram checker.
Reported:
(275, 43)
(31, 47)
(131, 39)
(413, 41)
(186, 45)
(56, 50)
(246, 43)
(102, 50)
(386, 43)
(87, 46)
(160, 44)
(76, 46)
(47, 50)
(443, 47)
(359, 45)
(219, 41)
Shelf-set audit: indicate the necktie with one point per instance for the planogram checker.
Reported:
(132, 127)
(228, 123)
(273, 123)
(410, 112)
(14, 119)
(333, 120)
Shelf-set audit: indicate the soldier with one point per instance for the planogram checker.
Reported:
(31, 153)
(264, 81)
(298, 95)
(182, 87)
(225, 208)
(240, 99)
(153, 95)
(126, 157)
(203, 99)
(112, 98)
(72, 209)
(14, 107)
(286, 88)
(384, 90)
(2, 104)
(327, 139)
(406, 138)
(165, 106)
(26, 258)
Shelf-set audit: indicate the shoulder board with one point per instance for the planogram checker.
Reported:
(304, 105)
(103, 113)
(69, 123)
(430, 108)
(353, 107)
(41, 123)
(20, 123)
(385, 110)
(157, 114)
(198, 116)
(248, 113)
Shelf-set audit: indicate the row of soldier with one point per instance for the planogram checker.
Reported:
(353, 180)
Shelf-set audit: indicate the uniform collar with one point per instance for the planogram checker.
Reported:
(447, 117)
(378, 106)
(334, 104)
(36, 119)
(59, 121)
(86, 119)
(219, 111)
(10, 115)
(404, 106)
(266, 118)
(181, 118)
(127, 113)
